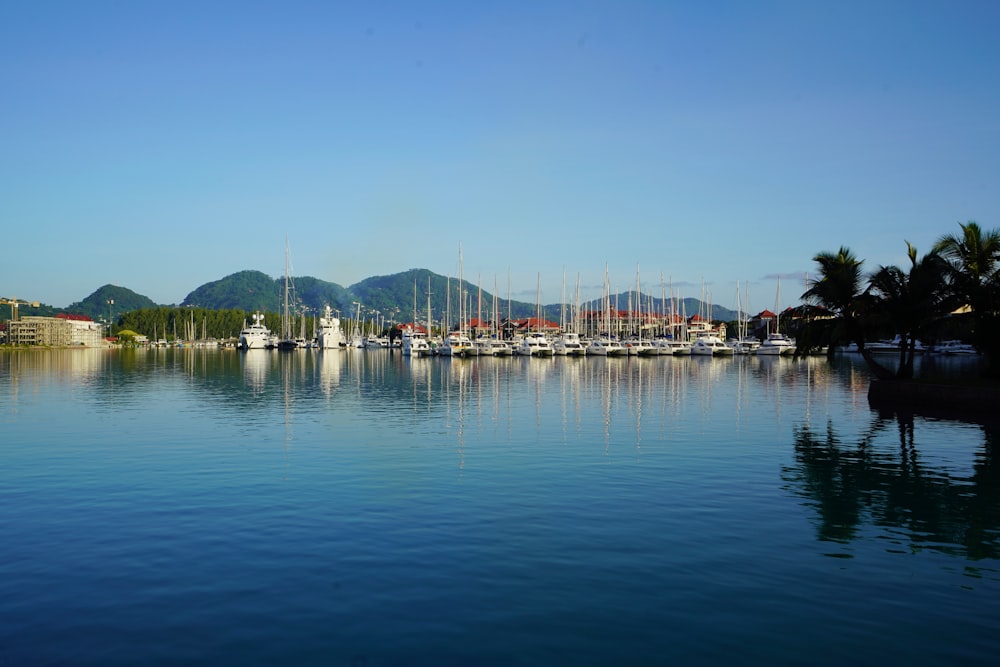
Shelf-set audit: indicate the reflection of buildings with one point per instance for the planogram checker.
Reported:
(74, 365)
(56, 331)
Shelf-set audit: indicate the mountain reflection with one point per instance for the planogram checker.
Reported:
(918, 503)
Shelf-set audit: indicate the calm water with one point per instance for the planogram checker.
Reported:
(358, 508)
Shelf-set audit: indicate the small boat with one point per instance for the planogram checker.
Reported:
(376, 343)
(457, 344)
(606, 347)
(641, 348)
(493, 347)
(710, 346)
(568, 344)
(535, 344)
(776, 344)
(954, 347)
(415, 344)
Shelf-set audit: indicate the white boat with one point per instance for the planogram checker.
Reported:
(710, 346)
(256, 336)
(955, 347)
(287, 341)
(662, 345)
(745, 345)
(457, 344)
(535, 344)
(493, 347)
(568, 344)
(681, 348)
(415, 344)
(606, 347)
(882, 346)
(640, 347)
(776, 344)
(330, 335)
(892, 346)
(376, 343)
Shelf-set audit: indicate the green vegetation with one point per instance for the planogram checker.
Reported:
(97, 306)
(172, 322)
(952, 292)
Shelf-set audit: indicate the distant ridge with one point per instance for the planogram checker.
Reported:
(391, 296)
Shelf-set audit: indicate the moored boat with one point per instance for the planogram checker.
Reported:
(255, 336)
(330, 336)
(710, 346)
(776, 344)
(568, 344)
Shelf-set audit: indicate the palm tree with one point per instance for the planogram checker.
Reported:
(974, 277)
(911, 301)
(849, 306)
(836, 293)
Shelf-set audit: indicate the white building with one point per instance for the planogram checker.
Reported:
(61, 330)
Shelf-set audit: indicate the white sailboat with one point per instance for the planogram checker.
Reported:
(603, 344)
(776, 343)
(414, 343)
(286, 341)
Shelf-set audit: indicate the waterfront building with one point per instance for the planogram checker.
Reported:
(61, 330)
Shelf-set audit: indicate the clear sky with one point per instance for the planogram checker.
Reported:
(161, 145)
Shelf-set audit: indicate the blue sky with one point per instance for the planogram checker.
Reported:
(162, 145)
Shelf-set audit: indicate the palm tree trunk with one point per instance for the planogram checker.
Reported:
(877, 369)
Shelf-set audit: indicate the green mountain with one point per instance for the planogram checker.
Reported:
(400, 297)
(109, 301)
(248, 290)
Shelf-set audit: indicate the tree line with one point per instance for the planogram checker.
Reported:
(953, 291)
(186, 323)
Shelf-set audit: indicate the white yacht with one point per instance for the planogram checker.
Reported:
(776, 344)
(745, 345)
(639, 347)
(493, 347)
(710, 346)
(535, 344)
(256, 336)
(330, 335)
(955, 347)
(680, 348)
(457, 344)
(606, 347)
(568, 344)
(415, 344)
(376, 343)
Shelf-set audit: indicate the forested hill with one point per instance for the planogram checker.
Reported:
(109, 301)
(393, 297)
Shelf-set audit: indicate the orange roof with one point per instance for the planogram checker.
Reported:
(536, 323)
(410, 325)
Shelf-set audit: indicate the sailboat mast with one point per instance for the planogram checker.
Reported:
(638, 299)
(429, 321)
(538, 303)
(286, 329)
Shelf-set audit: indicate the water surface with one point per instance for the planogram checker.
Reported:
(195, 506)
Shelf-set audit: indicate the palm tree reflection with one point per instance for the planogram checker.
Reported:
(927, 506)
